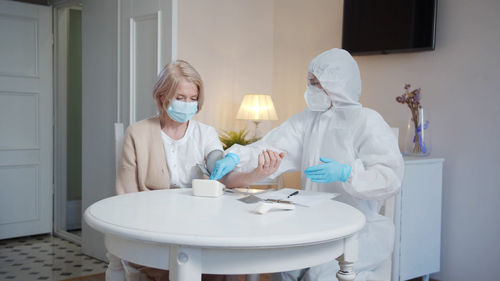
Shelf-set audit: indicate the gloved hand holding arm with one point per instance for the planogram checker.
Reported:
(330, 171)
(224, 166)
(268, 163)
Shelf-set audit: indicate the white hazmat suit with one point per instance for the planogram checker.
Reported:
(352, 135)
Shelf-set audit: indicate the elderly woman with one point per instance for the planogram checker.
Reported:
(163, 151)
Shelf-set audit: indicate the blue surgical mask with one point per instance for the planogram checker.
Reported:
(181, 111)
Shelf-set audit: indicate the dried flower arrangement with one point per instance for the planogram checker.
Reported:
(412, 100)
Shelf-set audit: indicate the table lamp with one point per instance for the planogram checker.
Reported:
(257, 108)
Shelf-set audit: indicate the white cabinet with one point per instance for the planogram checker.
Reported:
(417, 218)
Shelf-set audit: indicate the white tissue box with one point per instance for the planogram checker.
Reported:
(207, 188)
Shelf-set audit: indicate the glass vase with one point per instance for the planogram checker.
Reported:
(418, 142)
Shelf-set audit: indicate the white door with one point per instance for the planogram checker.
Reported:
(149, 43)
(25, 119)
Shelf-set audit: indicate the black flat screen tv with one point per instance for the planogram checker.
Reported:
(388, 26)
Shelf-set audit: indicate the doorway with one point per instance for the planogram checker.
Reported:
(68, 121)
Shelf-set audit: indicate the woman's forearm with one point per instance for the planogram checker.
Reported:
(238, 179)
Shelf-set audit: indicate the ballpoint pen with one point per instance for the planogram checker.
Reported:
(292, 194)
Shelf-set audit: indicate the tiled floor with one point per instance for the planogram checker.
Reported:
(51, 258)
(44, 257)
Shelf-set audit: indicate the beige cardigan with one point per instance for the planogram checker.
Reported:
(143, 165)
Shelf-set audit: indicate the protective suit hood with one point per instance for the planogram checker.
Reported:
(338, 74)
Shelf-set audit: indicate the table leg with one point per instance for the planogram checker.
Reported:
(426, 277)
(185, 264)
(346, 261)
(346, 273)
(115, 271)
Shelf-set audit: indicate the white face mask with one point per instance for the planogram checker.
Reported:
(316, 99)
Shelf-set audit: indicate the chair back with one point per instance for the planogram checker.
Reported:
(118, 144)
(388, 205)
(384, 271)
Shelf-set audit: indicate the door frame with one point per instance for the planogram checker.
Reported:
(60, 34)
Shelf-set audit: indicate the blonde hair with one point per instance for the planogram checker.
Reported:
(169, 79)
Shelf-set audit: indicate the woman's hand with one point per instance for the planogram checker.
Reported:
(268, 164)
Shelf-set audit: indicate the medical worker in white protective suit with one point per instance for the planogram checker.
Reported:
(343, 148)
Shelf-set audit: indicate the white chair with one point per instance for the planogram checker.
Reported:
(118, 269)
(384, 271)
(119, 131)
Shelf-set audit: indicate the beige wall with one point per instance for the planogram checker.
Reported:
(260, 46)
(302, 29)
(460, 85)
(230, 42)
(237, 53)
(459, 81)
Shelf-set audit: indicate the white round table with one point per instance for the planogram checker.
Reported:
(171, 229)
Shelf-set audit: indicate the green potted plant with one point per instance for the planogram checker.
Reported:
(236, 137)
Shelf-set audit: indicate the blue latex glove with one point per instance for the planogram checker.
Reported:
(224, 166)
(330, 171)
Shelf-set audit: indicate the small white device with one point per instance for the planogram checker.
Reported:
(264, 207)
(207, 188)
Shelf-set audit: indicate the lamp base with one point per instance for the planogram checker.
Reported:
(257, 122)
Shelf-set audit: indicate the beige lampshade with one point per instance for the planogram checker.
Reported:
(257, 107)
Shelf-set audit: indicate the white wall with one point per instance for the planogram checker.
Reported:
(460, 85)
(230, 42)
(98, 111)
